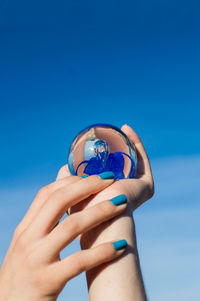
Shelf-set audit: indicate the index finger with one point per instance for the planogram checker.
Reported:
(57, 204)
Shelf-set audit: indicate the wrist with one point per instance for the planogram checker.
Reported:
(120, 227)
(107, 275)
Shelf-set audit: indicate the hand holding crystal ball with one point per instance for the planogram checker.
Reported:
(102, 147)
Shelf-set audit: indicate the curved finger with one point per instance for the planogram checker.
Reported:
(81, 222)
(87, 259)
(41, 198)
(63, 198)
(64, 172)
(143, 165)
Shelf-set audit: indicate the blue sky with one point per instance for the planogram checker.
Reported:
(67, 64)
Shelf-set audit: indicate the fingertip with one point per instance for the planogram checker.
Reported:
(133, 136)
(119, 200)
(125, 126)
(63, 172)
(120, 244)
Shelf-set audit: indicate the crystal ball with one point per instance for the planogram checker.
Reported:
(102, 147)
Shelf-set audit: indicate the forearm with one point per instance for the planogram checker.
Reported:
(120, 279)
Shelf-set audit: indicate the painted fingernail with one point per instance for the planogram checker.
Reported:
(85, 176)
(107, 175)
(120, 244)
(119, 200)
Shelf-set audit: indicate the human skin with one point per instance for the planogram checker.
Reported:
(120, 279)
(32, 269)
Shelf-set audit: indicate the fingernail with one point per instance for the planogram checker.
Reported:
(85, 176)
(120, 244)
(106, 175)
(119, 200)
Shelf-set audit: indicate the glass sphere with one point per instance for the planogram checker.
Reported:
(102, 147)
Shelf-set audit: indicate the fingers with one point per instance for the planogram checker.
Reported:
(143, 166)
(81, 222)
(88, 259)
(65, 197)
(141, 188)
(42, 197)
(64, 172)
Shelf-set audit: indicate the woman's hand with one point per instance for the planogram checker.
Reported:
(126, 283)
(32, 269)
(138, 190)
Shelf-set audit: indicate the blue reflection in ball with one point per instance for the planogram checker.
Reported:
(97, 156)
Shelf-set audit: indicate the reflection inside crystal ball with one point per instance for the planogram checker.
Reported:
(102, 147)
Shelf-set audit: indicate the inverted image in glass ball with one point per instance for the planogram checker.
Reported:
(102, 147)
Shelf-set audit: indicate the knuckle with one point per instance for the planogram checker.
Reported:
(44, 191)
(88, 182)
(151, 188)
(17, 231)
(81, 263)
(92, 181)
(22, 242)
(105, 208)
(72, 225)
(59, 195)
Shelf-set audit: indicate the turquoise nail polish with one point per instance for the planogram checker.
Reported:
(106, 175)
(120, 244)
(119, 200)
(84, 176)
